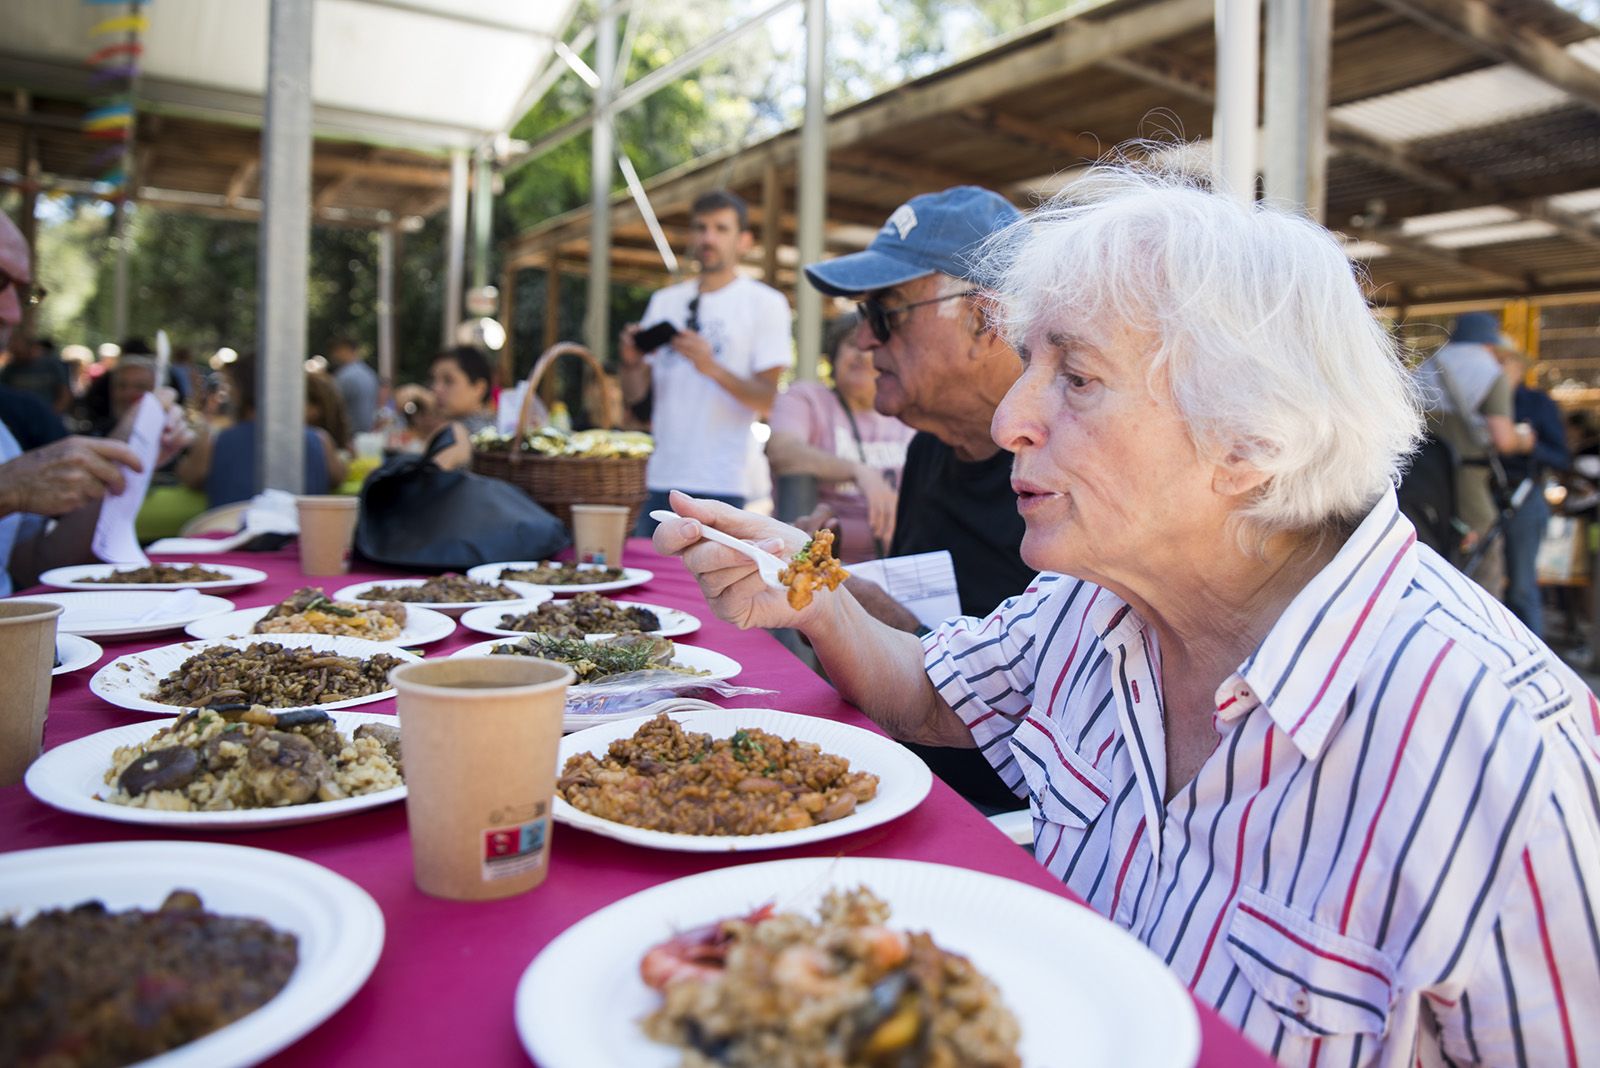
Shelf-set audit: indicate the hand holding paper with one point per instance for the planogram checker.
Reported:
(114, 539)
(63, 476)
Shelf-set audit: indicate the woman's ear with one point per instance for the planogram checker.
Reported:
(1235, 475)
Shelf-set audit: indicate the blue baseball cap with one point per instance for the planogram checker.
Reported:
(928, 233)
(1477, 328)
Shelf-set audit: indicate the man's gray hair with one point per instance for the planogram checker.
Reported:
(1271, 352)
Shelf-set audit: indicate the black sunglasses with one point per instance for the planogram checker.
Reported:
(883, 320)
(30, 294)
(693, 322)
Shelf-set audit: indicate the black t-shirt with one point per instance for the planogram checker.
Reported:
(969, 509)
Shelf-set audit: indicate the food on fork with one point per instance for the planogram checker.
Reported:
(811, 568)
(780, 990)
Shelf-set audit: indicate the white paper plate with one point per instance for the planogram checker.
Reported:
(76, 653)
(74, 578)
(631, 576)
(112, 614)
(339, 926)
(527, 595)
(127, 688)
(423, 625)
(71, 776)
(674, 623)
(903, 779)
(1073, 979)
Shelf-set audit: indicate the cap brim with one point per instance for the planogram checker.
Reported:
(862, 272)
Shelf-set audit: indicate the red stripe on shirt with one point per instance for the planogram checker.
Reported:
(1066, 665)
(1238, 856)
(1076, 774)
(1349, 639)
(1133, 844)
(1318, 950)
(1550, 960)
(1394, 769)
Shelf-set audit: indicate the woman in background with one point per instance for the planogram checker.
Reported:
(837, 436)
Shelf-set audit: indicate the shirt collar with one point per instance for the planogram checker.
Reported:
(1305, 668)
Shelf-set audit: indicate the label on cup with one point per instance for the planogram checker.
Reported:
(514, 850)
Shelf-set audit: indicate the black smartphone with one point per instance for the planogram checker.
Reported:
(650, 338)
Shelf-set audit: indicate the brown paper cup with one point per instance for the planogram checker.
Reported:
(327, 526)
(480, 739)
(27, 656)
(598, 533)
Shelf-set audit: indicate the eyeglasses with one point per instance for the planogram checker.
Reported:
(30, 294)
(883, 320)
(692, 324)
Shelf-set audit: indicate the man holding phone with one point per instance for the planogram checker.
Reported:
(706, 363)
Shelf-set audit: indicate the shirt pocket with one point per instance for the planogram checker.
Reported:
(1318, 981)
(1063, 787)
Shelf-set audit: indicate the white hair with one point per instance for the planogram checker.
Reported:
(1271, 353)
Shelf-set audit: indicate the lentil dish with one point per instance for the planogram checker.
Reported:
(230, 759)
(550, 573)
(310, 611)
(664, 778)
(585, 614)
(449, 588)
(780, 990)
(266, 673)
(163, 573)
(811, 569)
(88, 988)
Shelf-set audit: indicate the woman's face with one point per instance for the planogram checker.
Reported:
(458, 395)
(1107, 479)
(128, 384)
(853, 371)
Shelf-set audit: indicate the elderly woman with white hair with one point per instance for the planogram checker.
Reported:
(1335, 786)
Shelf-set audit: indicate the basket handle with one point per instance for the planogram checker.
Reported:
(610, 393)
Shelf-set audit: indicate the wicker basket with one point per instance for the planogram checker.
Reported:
(559, 482)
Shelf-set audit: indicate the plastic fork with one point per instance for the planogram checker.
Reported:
(766, 563)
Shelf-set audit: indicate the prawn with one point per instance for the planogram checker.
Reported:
(697, 953)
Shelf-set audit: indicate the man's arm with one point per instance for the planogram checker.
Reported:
(756, 392)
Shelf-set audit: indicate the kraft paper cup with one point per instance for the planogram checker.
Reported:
(598, 533)
(480, 737)
(27, 657)
(327, 526)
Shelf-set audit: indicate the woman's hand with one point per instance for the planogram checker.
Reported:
(729, 580)
(882, 500)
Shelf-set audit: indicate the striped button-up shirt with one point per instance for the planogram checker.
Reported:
(1393, 855)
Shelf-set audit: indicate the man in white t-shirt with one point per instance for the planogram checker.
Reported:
(718, 373)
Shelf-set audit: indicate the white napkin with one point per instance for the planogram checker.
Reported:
(271, 512)
(114, 539)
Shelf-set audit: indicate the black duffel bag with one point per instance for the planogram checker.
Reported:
(415, 514)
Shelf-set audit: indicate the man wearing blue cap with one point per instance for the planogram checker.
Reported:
(943, 370)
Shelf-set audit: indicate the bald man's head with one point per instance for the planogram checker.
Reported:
(14, 271)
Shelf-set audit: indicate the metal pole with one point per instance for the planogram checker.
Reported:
(597, 316)
(1295, 156)
(119, 275)
(455, 248)
(811, 196)
(386, 304)
(1233, 126)
(285, 241)
(482, 217)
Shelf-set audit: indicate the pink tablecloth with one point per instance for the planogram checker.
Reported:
(442, 991)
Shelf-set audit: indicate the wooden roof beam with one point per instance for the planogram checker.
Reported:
(1036, 134)
(1478, 26)
(1489, 267)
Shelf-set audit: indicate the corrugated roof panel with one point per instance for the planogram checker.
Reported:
(1365, 250)
(1457, 220)
(1481, 98)
(1526, 230)
(1582, 202)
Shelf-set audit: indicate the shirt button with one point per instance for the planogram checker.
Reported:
(1302, 1001)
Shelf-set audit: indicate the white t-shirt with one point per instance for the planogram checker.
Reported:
(702, 433)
